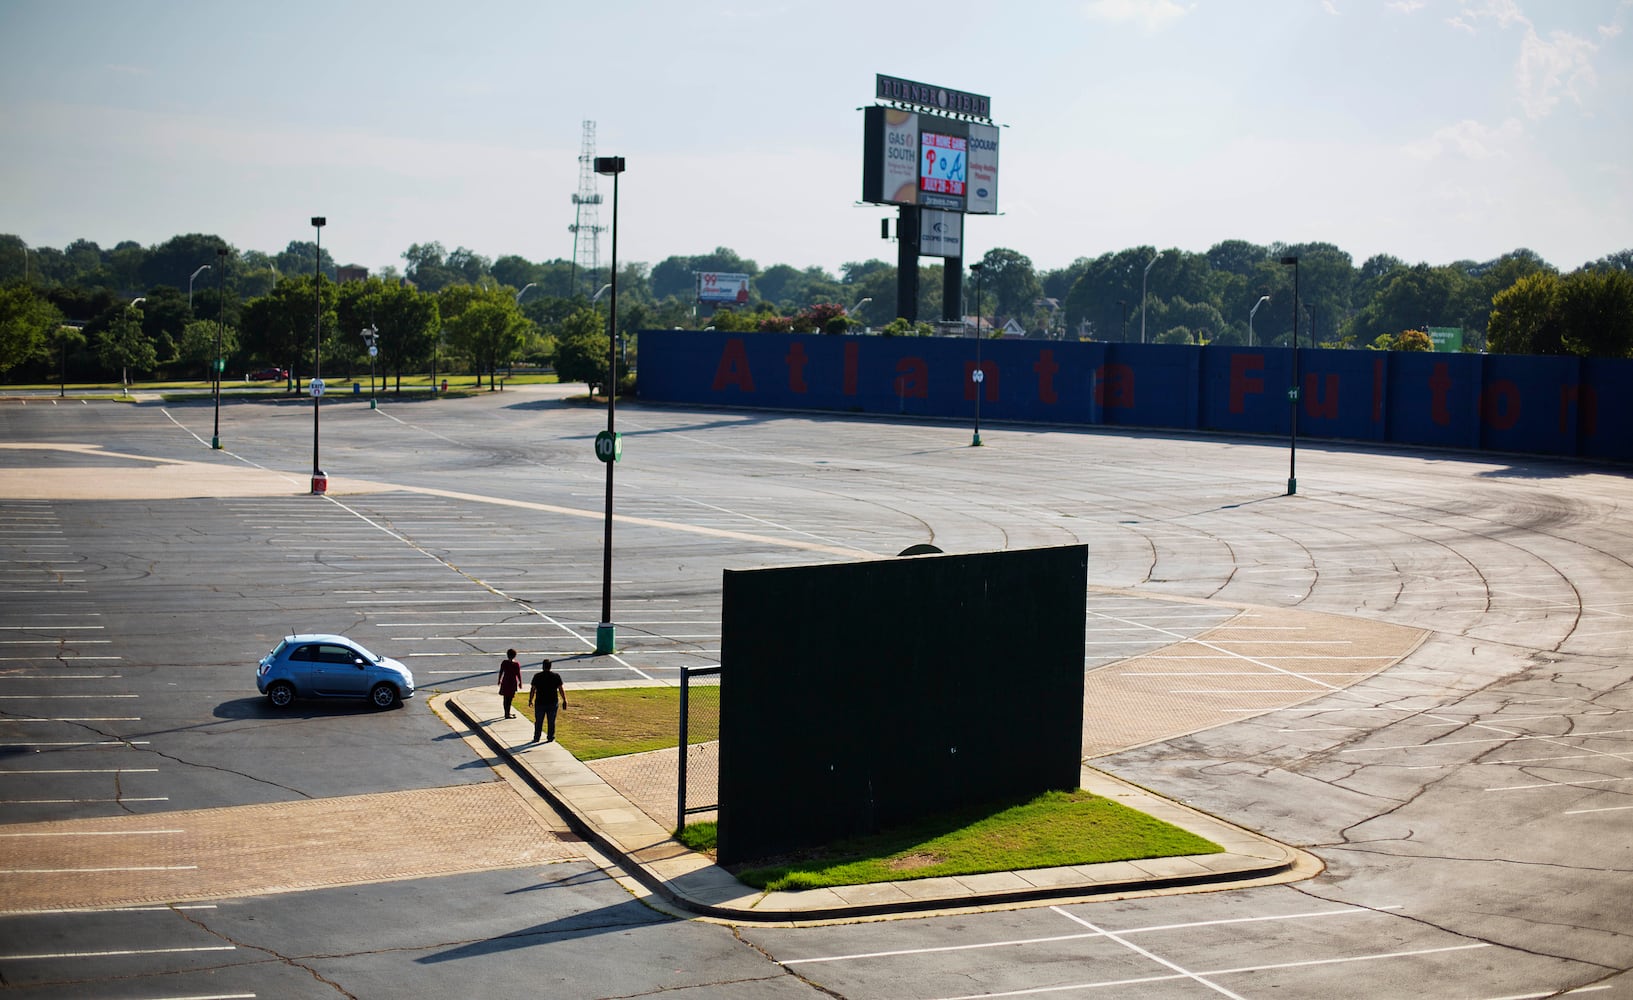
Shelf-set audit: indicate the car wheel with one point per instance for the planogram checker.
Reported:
(383, 696)
(281, 694)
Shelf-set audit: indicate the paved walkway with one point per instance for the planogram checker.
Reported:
(169, 857)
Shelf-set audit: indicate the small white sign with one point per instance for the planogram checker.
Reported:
(374, 352)
(316, 388)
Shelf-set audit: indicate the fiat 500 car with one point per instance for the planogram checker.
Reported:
(331, 666)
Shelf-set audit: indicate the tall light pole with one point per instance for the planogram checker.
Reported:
(320, 482)
(606, 639)
(1143, 276)
(530, 284)
(978, 376)
(220, 331)
(1292, 393)
(1262, 300)
(201, 269)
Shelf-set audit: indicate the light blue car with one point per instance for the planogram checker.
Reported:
(331, 666)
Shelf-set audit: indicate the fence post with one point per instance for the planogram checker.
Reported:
(680, 786)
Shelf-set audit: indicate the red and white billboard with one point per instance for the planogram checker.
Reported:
(722, 287)
(917, 159)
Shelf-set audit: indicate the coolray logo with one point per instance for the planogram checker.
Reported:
(983, 143)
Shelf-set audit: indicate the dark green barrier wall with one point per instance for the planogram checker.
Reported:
(855, 697)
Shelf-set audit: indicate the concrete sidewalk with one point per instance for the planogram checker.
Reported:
(692, 882)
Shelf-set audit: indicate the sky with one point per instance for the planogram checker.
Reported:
(1431, 130)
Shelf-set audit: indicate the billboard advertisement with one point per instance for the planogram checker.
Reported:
(918, 159)
(722, 288)
(941, 234)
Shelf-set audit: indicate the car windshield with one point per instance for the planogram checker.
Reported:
(364, 653)
(279, 648)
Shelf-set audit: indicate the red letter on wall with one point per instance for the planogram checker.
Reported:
(1240, 383)
(1114, 387)
(796, 367)
(1587, 408)
(1318, 404)
(1439, 382)
(912, 378)
(1046, 368)
(1500, 404)
(733, 368)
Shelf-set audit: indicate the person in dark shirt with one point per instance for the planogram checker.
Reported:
(510, 679)
(541, 697)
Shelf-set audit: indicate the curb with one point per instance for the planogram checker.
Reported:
(694, 884)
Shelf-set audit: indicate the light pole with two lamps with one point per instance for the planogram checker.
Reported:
(979, 375)
(1292, 393)
(370, 332)
(606, 444)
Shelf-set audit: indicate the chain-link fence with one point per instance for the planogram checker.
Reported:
(698, 785)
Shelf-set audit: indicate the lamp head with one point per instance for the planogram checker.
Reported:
(609, 165)
(1290, 260)
(319, 221)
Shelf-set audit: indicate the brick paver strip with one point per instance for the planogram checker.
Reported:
(272, 847)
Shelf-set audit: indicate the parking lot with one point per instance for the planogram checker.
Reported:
(1470, 802)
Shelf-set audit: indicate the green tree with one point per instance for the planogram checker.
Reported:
(27, 321)
(582, 348)
(174, 261)
(1596, 312)
(491, 331)
(124, 346)
(279, 328)
(1008, 276)
(197, 346)
(406, 319)
(1525, 317)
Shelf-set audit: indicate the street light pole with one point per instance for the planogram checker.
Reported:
(1143, 276)
(320, 482)
(606, 638)
(530, 284)
(979, 376)
(1292, 393)
(202, 268)
(220, 331)
(370, 332)
(1262, 300)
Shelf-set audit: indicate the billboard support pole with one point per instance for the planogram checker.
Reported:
(907, 263)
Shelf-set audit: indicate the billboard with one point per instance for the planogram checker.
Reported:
(918, 159)
(941, 234)
(722, 288)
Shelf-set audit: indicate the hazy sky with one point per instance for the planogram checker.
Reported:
(1434, 130)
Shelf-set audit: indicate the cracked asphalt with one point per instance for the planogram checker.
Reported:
(1471, 803)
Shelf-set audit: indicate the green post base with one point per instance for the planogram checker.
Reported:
(1292, 486)
(975, 442)
(374, 404)
(215, 442)
(606, 638)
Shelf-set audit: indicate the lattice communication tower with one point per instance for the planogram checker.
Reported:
(586, 229)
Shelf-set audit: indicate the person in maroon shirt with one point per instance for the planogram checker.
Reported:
(510, 679)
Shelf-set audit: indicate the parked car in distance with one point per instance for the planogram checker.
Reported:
(320, 665)
(270, 374)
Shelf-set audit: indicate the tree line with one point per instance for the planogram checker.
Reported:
(82, 311)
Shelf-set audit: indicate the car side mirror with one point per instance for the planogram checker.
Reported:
(358, 663)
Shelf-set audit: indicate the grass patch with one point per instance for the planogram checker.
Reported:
(612, 722)
(1053, 830)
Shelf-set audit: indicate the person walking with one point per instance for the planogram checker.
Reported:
(541, 697)
(510, 679)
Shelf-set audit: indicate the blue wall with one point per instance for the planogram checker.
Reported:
(1547, 405)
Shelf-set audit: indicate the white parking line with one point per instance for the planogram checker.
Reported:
(1509, 739)
(1191, 925)
(78, 743)
(43, 697)
(117, 954)
(1558, 784)
(95, 833)
(1605, 809)
(79, 718)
